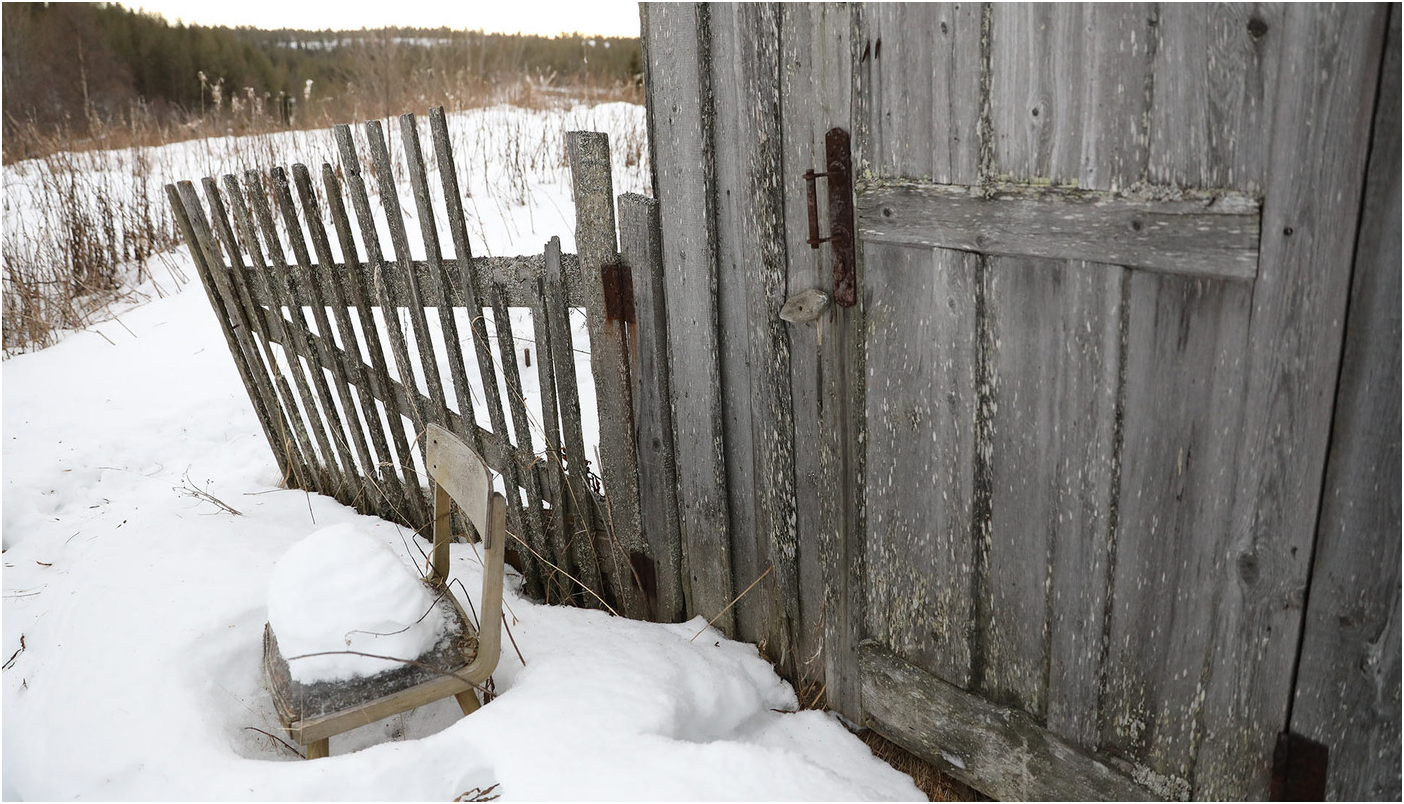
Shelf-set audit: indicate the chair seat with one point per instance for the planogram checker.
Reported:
(316, 710)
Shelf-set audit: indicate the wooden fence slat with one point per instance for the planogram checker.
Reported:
(533, 528)
(270, 323)
(297, 343)
(238, 336)
(351, 166)
(362, 420)
(640, 243)
(440, 281)
(558, 586)
(353, 281)
(580, 511)
(679, 73)
(390, 201)
(609, 362)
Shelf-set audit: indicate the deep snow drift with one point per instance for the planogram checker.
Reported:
(135, 601)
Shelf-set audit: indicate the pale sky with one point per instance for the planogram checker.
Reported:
(545, 17)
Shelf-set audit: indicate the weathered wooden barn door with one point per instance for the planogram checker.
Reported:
(1044, 499)
(1105, 254)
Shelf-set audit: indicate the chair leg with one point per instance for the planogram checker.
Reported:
(468, 701)
(319, 749)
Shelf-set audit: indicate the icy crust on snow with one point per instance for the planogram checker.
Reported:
(341, 592)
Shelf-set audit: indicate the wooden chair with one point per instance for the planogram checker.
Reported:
(312, 713)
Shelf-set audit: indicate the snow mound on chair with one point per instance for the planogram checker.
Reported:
(341, 592)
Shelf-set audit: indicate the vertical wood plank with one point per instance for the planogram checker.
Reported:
(816, 84)
(1348, 679)
(755, 344)
(558, 587)
(360, 201)
(238, 334)
(678, 77)
(1298, 306)
(533, 529)
(579, 510)
(354, 281)
(640, 244)
(921, 408)
(609, 362)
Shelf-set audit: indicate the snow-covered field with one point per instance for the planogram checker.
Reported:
(142, 519)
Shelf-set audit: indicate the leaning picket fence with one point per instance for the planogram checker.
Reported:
(344, 389)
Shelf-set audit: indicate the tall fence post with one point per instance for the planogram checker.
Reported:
(606, 289)
(641, 244)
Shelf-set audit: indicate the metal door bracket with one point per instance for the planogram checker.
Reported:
(1298, 769)
(839, 174)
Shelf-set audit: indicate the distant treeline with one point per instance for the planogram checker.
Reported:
(76, 67)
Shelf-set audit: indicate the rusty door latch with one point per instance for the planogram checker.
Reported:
(839, 173)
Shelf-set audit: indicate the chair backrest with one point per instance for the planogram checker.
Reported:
(460, 475)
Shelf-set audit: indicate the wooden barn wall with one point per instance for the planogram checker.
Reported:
(1025, 549)
(1347, 694)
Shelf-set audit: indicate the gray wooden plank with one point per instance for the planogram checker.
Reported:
(755, 348)
(678, 78)
(1213, 73)
(1053, 341)
(559, 587)
(579, 510)
(1000, 751)
(595, 240)
(533, 528)
(1331, 60)
(1063, 79)
(1213, 234)
(925, 115)
(640, 244)
(1348, 677)
(814, 96)
(921, 409)
(238, 334)
(353, 278)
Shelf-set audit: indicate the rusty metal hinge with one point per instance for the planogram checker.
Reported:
(1298, 769)
(618, 282)
(839, 173)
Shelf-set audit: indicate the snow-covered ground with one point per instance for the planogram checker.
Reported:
(142, 519)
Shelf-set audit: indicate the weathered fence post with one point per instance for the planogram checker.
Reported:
(641, 243)
(606, 288)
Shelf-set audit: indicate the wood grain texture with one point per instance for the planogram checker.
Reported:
(755, 348)
(1002, 751)
(640, 244)
(815, 79)
(1348, 678)
(678, 77)
(558, 586)
(921, 407)
(1213, 235)
(596, 242)
(1295, 346)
